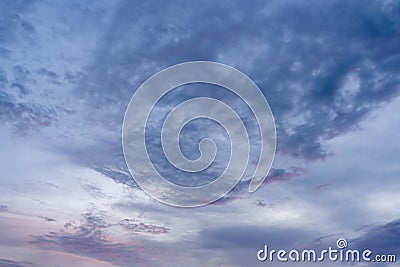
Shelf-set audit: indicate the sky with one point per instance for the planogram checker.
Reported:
(68, 69)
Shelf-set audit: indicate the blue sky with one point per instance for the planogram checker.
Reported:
(330, 71)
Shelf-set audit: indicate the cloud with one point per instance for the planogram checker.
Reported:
(275, 175)
(119, 174)
(381, 239)
(70, 68)
(323, 98)
(11, 263)
(281, 175)
(3, 208)
(140, 227)
(91, 239)
(22, 116)
(322, 187)
(262, 204)
(87, 242)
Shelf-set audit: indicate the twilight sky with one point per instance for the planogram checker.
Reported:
(329, 69)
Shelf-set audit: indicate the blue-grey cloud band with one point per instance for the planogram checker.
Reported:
(152, 90)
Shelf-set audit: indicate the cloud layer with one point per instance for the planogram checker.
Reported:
(68, 70)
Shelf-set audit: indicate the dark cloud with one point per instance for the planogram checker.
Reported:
(325, 77)
(119, 175)
(323, 68)
(11, 263)
(381, 239)
(304, 52)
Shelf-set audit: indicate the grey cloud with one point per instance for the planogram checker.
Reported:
(11, 263)
(380, 239)
(94, 191)
(140, 227)
(94, 218)
(121, 175)
(99, 220)
(24, 117)
(314, 49)
(383, 239)
(323, 68)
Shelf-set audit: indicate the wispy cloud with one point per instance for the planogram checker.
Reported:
(11, 263)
